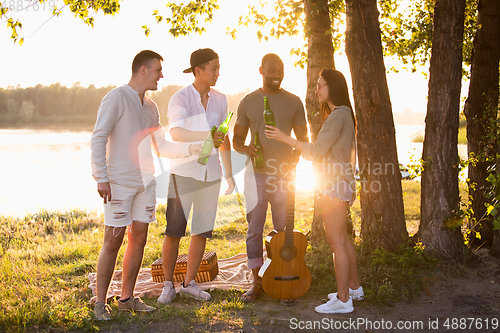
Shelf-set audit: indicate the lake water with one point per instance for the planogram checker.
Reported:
(47, 169)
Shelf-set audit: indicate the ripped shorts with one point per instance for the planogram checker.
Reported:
(340, 190)
(130, 204)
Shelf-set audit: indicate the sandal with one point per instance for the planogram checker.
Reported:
(251, 296)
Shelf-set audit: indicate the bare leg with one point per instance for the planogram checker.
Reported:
(170, 252)
(195, 254)
(113, 238)
(334, 218)
(256, 280)
(254, 292)
(353, 266)
(132, 260)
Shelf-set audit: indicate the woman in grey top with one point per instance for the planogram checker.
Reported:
(334, 154)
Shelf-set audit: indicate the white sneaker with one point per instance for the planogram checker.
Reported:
(335, 306)
(194, 291)
(168, 293)
(355, 295)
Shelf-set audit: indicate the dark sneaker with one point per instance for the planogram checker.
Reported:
(134, 304)
(102, 311)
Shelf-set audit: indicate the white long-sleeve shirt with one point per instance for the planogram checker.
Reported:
(185, 110)
(121, 141)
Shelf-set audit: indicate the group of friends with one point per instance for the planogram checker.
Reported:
(128, 129)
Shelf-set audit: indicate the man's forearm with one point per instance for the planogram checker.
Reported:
(183, 135)
(167, 149)
(225, 155)
(238, 144)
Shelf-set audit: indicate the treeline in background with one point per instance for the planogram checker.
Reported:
(59, 105)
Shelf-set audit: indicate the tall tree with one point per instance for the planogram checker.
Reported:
(440, 226)
(320, 56)
(382, 210)
(480, 109)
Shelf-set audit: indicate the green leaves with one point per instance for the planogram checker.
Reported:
(493, 208)
(184, 18)
(82, 9)
(408, 34)
(286, 18)
(146, 30)
(15, 26)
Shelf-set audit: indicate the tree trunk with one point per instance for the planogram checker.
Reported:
(482, 106)
(319, 56)
(439, 228)
(382, 210)
(495, 248)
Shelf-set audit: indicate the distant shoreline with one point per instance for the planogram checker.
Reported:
(53, 127)
(88, 127)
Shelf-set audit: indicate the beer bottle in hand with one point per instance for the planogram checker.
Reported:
(224, 127)
(259, 160)
(268, 113)
(206, 149)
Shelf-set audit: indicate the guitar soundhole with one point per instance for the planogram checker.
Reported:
(287, 253)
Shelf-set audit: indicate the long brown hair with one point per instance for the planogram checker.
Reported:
(338, 93)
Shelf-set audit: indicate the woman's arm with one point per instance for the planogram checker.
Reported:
(276, 134)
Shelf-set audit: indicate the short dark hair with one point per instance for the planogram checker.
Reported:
(268, 57)
(201, 66)
(144, 58)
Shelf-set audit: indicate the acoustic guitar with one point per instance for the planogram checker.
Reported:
(285, 274)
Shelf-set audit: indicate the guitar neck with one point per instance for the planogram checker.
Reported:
(290, 209)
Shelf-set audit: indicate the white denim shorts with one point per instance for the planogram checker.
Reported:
(130, 204)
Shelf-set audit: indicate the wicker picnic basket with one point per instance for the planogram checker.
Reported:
(208, 270)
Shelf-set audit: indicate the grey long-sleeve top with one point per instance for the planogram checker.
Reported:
(121, 141)
(334, 152)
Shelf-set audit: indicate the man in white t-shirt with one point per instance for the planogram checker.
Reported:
(122, 165)
(192, 112)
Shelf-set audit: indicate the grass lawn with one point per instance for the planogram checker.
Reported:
(46, 258)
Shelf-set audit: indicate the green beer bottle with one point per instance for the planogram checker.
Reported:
(259, 160)
(268, 113)
(224, 127)
(206, 149)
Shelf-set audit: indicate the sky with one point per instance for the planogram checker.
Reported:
(66, 50)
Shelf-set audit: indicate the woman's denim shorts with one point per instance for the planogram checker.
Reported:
(341, 190)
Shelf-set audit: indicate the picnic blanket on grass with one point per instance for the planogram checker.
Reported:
(233, 274)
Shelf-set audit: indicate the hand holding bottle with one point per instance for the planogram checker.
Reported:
(219, 138)
(206, 149)
(220, 134)
(276, 134)
(250, 150)
(195, 148)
